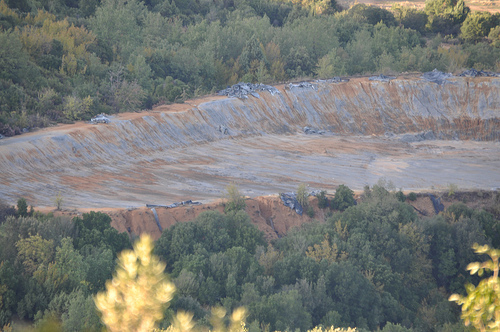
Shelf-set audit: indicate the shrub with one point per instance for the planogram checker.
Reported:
(367, 192)
(136, 298)
(5, 211)
(452, 189)
(477, 25)
(344, 197)
(372, 14)
(310, 212)
(235, 201)
(322, 199)
(414, 19)
(494, 36)
(22, 207)
(400, 196)
(302, 195)
(58, 200)
(412, 196)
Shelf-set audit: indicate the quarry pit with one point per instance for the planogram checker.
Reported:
(419, 135)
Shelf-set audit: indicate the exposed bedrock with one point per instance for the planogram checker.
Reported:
(464, 109)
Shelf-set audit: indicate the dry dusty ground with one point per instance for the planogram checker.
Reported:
(261, 166)
(272, 164)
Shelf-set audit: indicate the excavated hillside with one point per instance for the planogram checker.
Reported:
(415, 133)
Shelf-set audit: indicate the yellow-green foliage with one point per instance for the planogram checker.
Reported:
(58, 200)
(302, 195)
(134, 300)
(235, 201)
(34, 252)
(183, 322)
(452, 189)
(314, 6)
(481, 306)
(333, 329)
(75, 108)
(6, 11)
(37, 39)
(325, 251)
(268, 258)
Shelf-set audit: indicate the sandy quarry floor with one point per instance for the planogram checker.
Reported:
(273, 164)
(261, 165)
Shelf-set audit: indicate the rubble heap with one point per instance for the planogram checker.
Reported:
(311, 131)
(418, 137)
(101, 118)
(242, 90)
(290, 200)
(173, 205)
(478, 73)
(382, 78)
(223, 130)
(335, 79)
(437, 76)
(303, 85)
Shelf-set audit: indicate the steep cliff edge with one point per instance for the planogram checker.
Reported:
(171, 155)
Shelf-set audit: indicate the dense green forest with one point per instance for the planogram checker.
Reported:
(67, 60)
(375, 265)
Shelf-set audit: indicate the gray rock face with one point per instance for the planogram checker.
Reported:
(290, 200)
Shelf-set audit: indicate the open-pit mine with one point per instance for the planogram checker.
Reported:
(418, 134)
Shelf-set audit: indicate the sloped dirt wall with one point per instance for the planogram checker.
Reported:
(370, 129)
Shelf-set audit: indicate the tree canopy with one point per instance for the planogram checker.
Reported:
(375, 265)
(70, 60)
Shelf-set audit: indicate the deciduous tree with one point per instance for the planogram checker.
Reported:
(34, 252)
(235, 201)
(481, 306)
(134, 300)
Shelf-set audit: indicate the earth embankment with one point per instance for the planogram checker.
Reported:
(416, 133)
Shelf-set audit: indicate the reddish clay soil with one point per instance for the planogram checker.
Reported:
(267, 212)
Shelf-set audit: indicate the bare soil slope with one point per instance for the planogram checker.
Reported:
(267, 212)
(418, 134)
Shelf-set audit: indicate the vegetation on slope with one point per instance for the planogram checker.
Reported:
(62, 61)
(376, 265)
